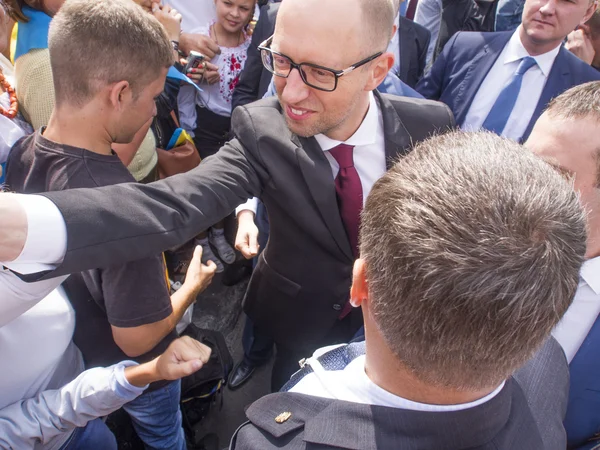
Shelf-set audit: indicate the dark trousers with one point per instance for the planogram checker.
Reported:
(211, 133)
(259, 346)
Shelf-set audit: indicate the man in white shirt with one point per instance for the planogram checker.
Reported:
(503, 81)
(564, 137)
(45, 395)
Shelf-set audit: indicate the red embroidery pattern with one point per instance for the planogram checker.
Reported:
(231, 65)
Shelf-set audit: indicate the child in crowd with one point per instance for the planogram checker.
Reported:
(207, 115)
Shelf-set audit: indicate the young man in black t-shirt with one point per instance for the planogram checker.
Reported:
(123, 311)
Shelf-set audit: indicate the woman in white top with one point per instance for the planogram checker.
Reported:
(207, 114)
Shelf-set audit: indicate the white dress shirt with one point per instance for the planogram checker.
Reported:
(36, 319)
(573, 328)
(369, 152)
(352, 384)
(500, 74)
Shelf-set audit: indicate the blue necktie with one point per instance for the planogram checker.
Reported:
(500, 112)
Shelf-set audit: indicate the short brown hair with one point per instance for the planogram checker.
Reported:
(473, 248)
(94, 43)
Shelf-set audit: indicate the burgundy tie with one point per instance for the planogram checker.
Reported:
(411, 9)
(350, 199)
(349, 192)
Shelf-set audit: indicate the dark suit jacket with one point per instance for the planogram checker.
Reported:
(525, 415)
(457, 74)
(414, 42)
(255, 79)
(303, 276)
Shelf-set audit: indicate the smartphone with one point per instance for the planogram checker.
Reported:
(195, 59)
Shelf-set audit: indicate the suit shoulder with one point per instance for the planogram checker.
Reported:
(420, 110)
(266, 108)
(467, 42)
(582, 71)
(420, 30)
(262, 117)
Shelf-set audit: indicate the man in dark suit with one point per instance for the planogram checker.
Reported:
(503, 81)
(311, 157)
(451, 316)
(409, 46)
(413, 42)
(562, 137)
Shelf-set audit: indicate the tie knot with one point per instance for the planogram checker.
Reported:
(343, 155)
(526, 63)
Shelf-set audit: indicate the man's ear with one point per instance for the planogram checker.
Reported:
(359, 292)
(590, 11)
(119, 92)
(379, 70)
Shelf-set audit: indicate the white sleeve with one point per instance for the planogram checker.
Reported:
(95, 393)
(17, 296)
(45, 246)
(251, 205)
(46, 242)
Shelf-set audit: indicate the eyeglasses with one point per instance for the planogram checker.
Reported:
(318, 77)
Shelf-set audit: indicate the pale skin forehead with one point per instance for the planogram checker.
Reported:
(324, 32)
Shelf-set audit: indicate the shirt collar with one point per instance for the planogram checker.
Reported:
(516, 51)
(590, 273)
(365, 135)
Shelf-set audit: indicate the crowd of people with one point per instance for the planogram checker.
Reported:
(416, 184)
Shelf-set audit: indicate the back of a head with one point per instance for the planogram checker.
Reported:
(473, 247)
(94, 43)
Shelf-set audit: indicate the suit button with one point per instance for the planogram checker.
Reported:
(337, 307)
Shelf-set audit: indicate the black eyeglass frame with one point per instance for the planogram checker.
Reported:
(265, 47)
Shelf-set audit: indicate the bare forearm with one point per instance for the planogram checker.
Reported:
(142, 374)
(13, 227)
(181, 301)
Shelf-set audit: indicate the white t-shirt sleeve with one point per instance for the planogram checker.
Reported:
(45, 246)
(46, 242)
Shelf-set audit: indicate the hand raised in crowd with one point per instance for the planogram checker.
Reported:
(199, 275)
(183, 357)
(205, 73)
(246, 239)
(198, 43)
(169, 18)
(580, 44)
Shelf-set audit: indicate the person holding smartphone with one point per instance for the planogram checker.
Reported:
(207, 114)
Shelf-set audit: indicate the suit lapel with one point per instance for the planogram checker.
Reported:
(317, 174)
(396, 136)
(476, 73)
(558, 81)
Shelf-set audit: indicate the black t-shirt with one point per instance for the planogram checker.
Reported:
(124, 295)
